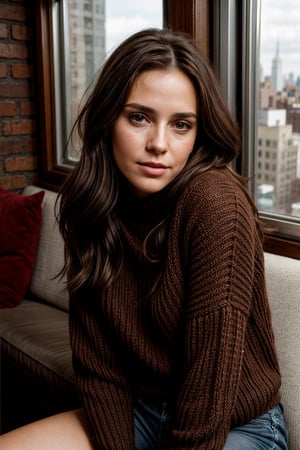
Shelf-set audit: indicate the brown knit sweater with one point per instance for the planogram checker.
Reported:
(203, 341)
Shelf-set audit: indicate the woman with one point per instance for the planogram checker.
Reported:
(169, 320)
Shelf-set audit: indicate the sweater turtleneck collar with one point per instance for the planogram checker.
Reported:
(143, 211)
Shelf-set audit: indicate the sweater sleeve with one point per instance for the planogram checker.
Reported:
(220, 232)
(102, 385)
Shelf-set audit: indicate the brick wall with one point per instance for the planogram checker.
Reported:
(18, 158)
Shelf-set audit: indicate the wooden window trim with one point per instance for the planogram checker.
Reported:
(193, 17)
(282, 246)
(50, 175)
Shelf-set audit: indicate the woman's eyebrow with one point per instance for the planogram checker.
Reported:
(149, 110)
(140, 107)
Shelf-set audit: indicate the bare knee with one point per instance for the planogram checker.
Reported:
(66, 431)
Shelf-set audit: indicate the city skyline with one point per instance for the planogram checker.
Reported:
(280, 23)
(285, 74)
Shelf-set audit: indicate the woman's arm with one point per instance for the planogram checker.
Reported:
(220, 235)
(103, 388)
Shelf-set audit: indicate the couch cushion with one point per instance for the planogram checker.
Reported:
(20, 220)
(49, 257)
(283, 285)
(35, 337)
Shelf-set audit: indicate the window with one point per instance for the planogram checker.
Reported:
(80, 50)
(228, 32)
(261, 78)
(72, 39)
(279, 62)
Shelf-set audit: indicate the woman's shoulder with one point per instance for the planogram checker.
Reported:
(214, 181)
(216, 191)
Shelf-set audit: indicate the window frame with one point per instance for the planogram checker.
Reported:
(234, 22)
(196, 17)
(279, 241)
(50, 174)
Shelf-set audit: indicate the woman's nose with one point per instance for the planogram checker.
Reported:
(157, 140)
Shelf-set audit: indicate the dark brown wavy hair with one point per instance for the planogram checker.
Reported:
(87, 214)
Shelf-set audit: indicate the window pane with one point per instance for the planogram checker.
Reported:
(125, 17)
(278, 160)
(86, 31)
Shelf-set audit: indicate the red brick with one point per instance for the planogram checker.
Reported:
(6, 182)
(9, 147)
(13, 51)
(8, 109)
(16, 127)
(11, 12)
(15, 90)
(19, 181)
(3, 70)
(27, 109)
(20, 164)
(22, 70)
(13, 182)
(30, 145)
(21, 32)
(3, 31)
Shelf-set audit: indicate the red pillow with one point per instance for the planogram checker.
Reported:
(20, 222)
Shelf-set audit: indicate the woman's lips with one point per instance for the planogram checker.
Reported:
(153, 168)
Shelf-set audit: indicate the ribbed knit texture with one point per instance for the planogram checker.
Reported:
(203, 341)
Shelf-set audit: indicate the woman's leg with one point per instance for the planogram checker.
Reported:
(65, 431)
(152, 424)
(266, 432)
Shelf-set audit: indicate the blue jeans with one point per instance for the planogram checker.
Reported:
(153, 422)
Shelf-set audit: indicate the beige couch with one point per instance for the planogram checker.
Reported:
(283, 285)
(36, 358)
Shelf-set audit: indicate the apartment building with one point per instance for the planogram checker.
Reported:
(277, 158)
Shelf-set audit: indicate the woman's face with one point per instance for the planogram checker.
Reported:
(155, 132)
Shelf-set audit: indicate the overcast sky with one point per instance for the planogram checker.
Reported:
(124, 18)
(280, 22)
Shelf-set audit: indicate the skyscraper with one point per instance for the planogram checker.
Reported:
(86, 50)
(277, 78)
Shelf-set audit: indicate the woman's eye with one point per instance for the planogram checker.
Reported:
(183, 126)
(137, 118)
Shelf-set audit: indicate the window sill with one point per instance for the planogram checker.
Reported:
(282, 247)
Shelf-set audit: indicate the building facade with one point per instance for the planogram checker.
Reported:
(277, 158)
